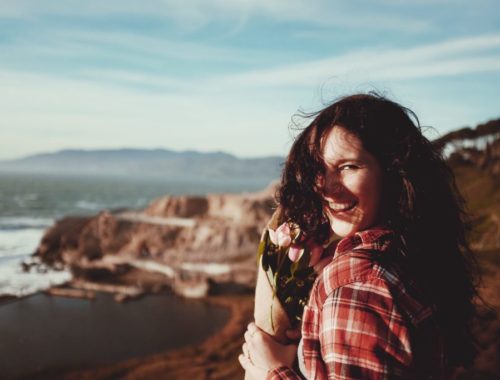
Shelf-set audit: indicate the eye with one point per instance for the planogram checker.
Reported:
(348, 167)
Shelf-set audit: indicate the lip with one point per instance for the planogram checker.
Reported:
(337, 207)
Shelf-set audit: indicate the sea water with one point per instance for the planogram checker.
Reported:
(31, 203)
(40, 332)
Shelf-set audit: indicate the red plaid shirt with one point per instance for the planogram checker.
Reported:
(363, 321)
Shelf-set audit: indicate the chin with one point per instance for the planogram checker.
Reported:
(343, 229)
(346, 224)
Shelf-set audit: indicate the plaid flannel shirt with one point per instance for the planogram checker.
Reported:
(363, 322)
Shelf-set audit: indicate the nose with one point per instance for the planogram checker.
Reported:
(333, 190)
(332, 185)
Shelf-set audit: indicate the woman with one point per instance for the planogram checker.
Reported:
(395, 300)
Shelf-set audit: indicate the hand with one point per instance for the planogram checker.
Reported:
(261, 353)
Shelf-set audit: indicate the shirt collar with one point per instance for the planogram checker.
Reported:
(377, 239)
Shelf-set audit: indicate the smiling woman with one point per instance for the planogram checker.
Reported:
(351, 185)
(394, 298)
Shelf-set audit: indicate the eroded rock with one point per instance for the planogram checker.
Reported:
(217, 228)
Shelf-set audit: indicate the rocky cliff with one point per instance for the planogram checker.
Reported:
(193, 240)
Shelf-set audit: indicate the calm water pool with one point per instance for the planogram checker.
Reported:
(41, 332)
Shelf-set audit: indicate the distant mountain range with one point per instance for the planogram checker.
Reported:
(474, 144)
(158, 163)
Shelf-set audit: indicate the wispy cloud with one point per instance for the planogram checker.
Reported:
(195, 14)
(459, 56)
(452, 57)
(133, 47)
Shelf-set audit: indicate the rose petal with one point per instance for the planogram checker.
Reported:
(295, 253)
(283, 235)
(284, 240)
(273, 236)
(284, 229)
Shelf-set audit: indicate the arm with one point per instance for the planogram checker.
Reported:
(362, 333)
(283, 373)
(265, 358)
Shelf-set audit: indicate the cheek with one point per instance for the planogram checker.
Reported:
(358, 185)
(368, 189)
(372, 193)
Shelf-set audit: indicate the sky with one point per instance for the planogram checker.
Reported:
(229, 75)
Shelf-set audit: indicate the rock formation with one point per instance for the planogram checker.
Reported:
(178, 236)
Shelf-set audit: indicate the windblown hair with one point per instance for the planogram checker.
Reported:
(420, 202)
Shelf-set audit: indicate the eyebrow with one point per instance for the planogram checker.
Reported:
(343, 161)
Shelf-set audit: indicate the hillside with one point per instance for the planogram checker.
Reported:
(474, 155)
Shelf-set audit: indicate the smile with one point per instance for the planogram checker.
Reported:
(341, 207)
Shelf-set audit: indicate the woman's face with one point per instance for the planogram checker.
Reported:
(351, 185)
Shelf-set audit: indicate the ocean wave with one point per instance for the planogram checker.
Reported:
(14, 281)
(87, 205)
(15, 242)
(25, 200)
(24, 222)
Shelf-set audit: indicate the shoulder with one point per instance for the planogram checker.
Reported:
(356, 260)
(362, 274)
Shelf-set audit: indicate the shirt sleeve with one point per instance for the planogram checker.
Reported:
(362, 333)
(283, 373)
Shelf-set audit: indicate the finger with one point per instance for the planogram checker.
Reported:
(252, 328)
(253, 337)
(245, 349)
(249, 341)
(245, 363)
(256, 333)
(252, 371)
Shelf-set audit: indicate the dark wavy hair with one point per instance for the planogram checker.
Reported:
(420, 202)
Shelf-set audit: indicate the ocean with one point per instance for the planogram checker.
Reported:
(31, 203)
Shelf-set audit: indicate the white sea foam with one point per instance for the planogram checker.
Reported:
(86, 205)
(18, 222)
(15, 242)
(14, 281)
(19, 237)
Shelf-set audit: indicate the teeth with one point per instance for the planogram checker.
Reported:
(341, 206)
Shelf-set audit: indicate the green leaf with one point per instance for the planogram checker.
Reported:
(275, 281)
(263, 251)
(303, 262)
(263, 245)
(293, 268)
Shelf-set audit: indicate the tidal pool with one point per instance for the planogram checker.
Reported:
(40, 331)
